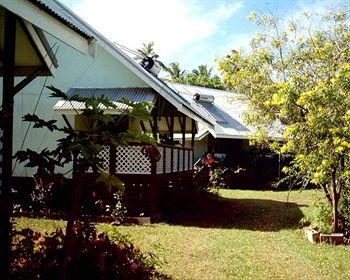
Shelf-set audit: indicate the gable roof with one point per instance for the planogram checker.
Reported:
(226, 111)
(176, 99)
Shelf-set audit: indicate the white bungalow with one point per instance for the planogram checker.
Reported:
(56, 47)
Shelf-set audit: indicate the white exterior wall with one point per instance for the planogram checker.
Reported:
(200, 147)
(75, 70)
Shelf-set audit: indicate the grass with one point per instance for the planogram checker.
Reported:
(242, 235)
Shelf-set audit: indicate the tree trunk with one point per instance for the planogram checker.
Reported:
(335, 213)
(71, 219)
(335, 201)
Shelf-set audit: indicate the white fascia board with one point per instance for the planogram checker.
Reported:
(46, 22)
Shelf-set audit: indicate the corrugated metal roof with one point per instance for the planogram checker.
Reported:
(63, 14)
(135, 94)
(226, 110)
(115, 95)
(183, 91)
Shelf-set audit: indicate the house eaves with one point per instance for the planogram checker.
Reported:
(49, 20)
(60, 12)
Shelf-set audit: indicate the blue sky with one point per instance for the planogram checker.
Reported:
(191, 32)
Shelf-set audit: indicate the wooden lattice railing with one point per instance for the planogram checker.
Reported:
(131, 160)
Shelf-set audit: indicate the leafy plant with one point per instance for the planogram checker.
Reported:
(321, 217)
(38, 255)
(217, 178)
(41, 195)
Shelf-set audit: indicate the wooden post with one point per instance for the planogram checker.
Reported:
(112, 159)
(193, 130)
(172, 142)
(154, 125)
(164, 160)
(210, 143)
(184, 141)
(188, 159)
(153, 189)
(7, 126)
(178, 160)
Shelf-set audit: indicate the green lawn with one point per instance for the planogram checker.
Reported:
(243, 235)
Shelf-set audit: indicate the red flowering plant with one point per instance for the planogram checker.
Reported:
(92, 256)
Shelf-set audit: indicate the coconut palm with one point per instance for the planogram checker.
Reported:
(147, 50)
(202, 71)
(175, 73)
(202, 76)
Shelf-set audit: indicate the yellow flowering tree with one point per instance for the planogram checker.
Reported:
(296, 80)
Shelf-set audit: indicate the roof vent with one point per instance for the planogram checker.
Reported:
(203, 98)
(151, 65)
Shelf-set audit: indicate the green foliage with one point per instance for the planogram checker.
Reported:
(147, 50)
(321, 217)
(176, 74)
(198, 77)
(203, 77)
(94, 256)
(295, 80)
(217, 178)
(110, 181)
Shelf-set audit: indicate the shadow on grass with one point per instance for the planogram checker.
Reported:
(211, 211)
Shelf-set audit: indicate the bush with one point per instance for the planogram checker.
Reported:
(322, 218)
(93, 256)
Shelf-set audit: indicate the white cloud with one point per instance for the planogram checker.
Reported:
(172, 25)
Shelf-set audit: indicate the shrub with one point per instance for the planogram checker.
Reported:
(321, 218)
(93, 256)
(217, 178)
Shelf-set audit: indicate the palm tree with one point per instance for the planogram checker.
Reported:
(203, 76)
(202, 72)
(147, 50)
(175, 73)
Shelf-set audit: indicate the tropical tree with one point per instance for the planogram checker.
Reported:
(202, 71)
(203, 77)
(147, 51)
(176, 75)
(296, 80)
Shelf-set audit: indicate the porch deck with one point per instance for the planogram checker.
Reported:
(148, 182)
